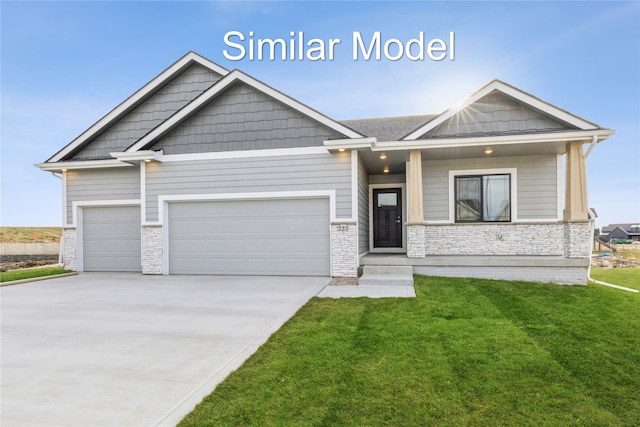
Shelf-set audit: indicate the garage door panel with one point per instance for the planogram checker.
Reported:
(270, 237)
(111, 238)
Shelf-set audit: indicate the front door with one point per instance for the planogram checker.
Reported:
(387, 218)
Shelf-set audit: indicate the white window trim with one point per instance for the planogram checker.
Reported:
(403, 192)
(503, 171)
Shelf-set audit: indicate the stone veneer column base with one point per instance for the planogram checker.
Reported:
(416, 241)
(151, 256)
(577, 239)
(69, 247)
(344, 249)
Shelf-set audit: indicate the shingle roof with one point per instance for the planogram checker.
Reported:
(631, 228)
(388, 128)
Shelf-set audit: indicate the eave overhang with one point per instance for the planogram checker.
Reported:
(84, 164)
(558, 138)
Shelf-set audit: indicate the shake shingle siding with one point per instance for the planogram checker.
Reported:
(151, 113)
(494, 114)
(252, 175)
(537, 184)
(102, 184)
(243, 118)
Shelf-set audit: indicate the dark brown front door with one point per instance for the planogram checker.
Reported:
(387, 218)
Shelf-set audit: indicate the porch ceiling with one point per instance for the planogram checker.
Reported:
(396, 159)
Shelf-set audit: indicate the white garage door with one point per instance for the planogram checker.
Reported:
(111, 238)
(250, 237)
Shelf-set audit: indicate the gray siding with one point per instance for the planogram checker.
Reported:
(151, 113)
(388, 179)
(363, 208)
(494, 114)
(537, 186)
(102, 184)
(250, 175)
(244, 119)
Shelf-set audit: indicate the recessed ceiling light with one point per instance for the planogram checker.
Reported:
(488, 150)
(341, 150)
(383, 156)
(147, 160)
(386, 169)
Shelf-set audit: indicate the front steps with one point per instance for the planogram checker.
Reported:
(386, 275)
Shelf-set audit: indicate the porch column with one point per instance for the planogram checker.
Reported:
(575, 195)
(416, 214)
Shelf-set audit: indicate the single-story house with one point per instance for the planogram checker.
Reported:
(620, 231)
(210, 171)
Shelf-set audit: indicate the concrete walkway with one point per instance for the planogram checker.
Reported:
(102, 349)
(368, 291)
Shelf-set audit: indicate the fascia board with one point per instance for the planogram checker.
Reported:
(168, 74)
(89, 164)
(422, 144)
(513, 92)
(229, 80)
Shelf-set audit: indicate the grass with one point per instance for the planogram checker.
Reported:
(628, 277)
(464, 352)
(25, 234)
(13, 275)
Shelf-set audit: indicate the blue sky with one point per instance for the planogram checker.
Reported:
(66, 64)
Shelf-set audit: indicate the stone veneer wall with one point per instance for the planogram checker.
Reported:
(344, 249)
(151, 249)
(487, 239)
(69, 245)
(577, 239)
(415, 240)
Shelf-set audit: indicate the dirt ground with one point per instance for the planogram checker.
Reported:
(19, 265)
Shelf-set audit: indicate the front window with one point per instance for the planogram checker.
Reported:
(483, 198)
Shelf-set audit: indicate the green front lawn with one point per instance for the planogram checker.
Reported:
(10, 276)
(627, 277)
(464, 352)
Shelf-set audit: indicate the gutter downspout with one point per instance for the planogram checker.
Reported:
(592, 232)
(62, 236)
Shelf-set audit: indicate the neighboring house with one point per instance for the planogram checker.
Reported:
(620, 231)
(210, 171)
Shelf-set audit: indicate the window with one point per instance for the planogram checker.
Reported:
(483, 198)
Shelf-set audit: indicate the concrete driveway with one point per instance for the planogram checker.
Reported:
(107, 349)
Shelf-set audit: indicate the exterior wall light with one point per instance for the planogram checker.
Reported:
(386, 169)
(488, 150)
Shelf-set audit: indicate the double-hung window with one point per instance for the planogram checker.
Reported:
(483, 198)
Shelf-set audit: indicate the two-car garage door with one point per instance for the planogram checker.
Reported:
(249, 237)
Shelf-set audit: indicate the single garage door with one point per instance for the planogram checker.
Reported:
(111, 238)
(250, 237)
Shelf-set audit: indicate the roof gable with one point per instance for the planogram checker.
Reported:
(498, 109)
(234, 78)
(133, 113)
(243, 118)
